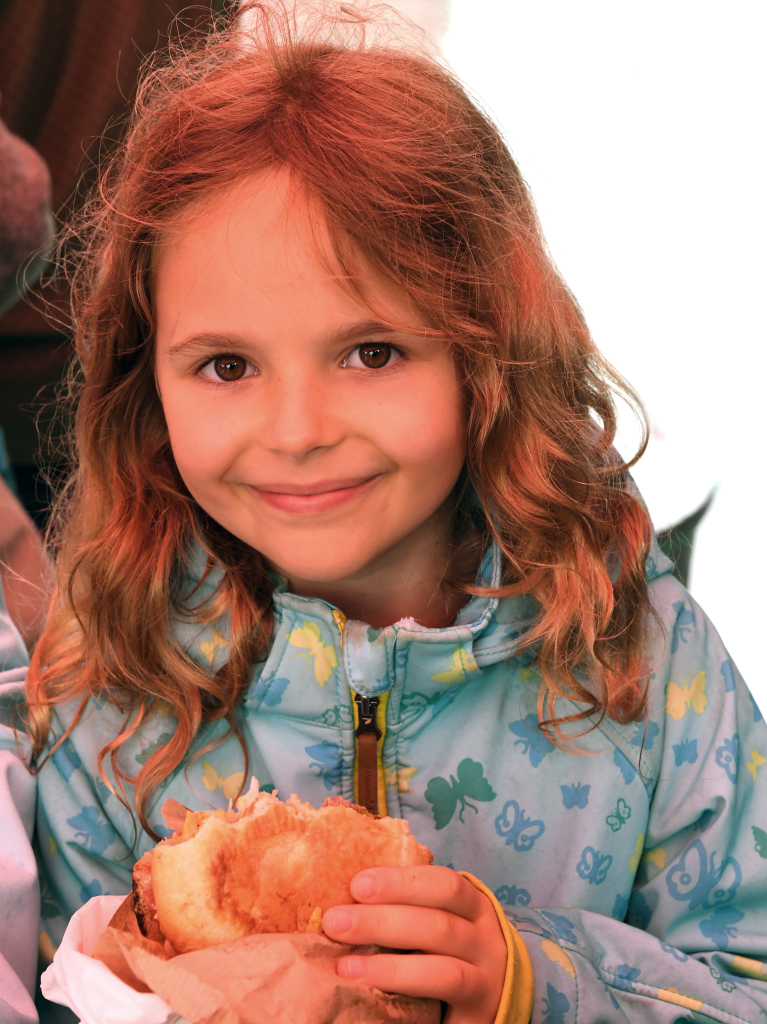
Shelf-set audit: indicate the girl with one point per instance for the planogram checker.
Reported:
(346, 517)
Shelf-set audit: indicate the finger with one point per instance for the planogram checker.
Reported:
(402, 927)
(429, 977)
(420, 887)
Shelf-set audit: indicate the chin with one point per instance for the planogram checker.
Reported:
(323, 561)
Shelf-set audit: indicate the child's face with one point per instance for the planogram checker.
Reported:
(320, 440)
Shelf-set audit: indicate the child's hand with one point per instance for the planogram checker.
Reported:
(461, 955)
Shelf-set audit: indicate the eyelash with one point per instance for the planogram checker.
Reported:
(368, 371)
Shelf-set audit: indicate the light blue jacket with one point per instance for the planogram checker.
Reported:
(635, 869)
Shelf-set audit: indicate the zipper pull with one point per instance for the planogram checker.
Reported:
(368, 734)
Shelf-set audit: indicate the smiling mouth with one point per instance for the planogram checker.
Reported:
(312, 498)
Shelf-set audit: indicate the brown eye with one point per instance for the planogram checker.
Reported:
(230, 367)
(374, 357)
(227, 368)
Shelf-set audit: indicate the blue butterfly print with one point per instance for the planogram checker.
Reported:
(555, 1006)
(87, 892)
(608, 990)
(728, 756)
(533, 740)
(522, 832)
(728, 675)
(676, 953)
(270, 691)
(687, 751)
(143, 755)
(593, 866)
(620, 907)
(624, 975)
(720, 927)
(415, 703)
(93, 831)
(619, 817)
(401, 656)
(628, 771)
(511, 895)
(329, 762)
(683, 625)
(561, 926)
(723, 983)
(445, 796)
(757, 712)
(695, 882)
(648, 735)
(102, 789)
(66, 759)
(576, 795)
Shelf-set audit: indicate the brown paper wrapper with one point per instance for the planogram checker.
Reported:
(261, 979)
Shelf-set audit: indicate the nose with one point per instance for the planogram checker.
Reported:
(299, 416)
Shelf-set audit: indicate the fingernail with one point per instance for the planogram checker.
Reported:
(364, 886)
(353, 966)
(337, 921)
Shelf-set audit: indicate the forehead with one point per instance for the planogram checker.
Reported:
(260, 243)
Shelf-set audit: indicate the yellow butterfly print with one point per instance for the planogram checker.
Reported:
(673, 995)
(230, 785)
(680, 696)
(634, 862)
(756, 762)
(52, 845)
(308, 636)
(463, 662)
(751, 968)
(400, 779)
(557, 955)
(657, 857)
(209, 647)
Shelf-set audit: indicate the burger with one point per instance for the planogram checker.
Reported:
(263, 866)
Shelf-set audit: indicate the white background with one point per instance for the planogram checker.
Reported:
(640, 129)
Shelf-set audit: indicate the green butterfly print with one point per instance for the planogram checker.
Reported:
(445, 796)
(620, 816)
(760, 837)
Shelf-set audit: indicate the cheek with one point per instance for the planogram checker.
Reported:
(427, 432)
(203, 444)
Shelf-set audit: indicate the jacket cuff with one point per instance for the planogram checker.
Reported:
(516, 1004)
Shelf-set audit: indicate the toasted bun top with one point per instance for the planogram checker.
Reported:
(268, 866)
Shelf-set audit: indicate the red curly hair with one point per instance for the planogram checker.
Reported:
(415, 182)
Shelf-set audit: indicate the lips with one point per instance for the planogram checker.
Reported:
(322, 496)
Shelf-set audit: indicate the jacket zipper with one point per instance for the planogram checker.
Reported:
(368, 734)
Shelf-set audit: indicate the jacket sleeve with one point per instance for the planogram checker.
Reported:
(19, 898)
(692, 944)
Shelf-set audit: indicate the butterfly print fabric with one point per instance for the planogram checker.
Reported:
(632, 859)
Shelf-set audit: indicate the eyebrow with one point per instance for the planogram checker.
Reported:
(344, 335)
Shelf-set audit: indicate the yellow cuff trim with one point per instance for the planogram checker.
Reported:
(516, 1004)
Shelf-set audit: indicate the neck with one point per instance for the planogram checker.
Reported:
(404, 582)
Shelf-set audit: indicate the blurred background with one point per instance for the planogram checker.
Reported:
(640, 131)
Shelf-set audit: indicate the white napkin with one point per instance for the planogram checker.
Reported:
(87, 986)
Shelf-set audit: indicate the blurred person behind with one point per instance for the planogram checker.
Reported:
(26, 220)
(26, 234)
